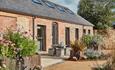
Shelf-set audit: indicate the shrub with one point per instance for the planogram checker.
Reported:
(110, 65)
(93, 54)
(5, 45)
(27, 46)
(87, 40)
(106, 66)
(92, 41)
(77, 45)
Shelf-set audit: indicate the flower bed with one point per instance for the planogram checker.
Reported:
(17, 47)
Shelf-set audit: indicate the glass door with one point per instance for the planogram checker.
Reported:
(41, 37)
(67, 36)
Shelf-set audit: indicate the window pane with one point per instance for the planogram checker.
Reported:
(61, 9)
(84, 31)
(76, 33)
(89, 31)
(37, 1)
(49, 4)
(69, 11)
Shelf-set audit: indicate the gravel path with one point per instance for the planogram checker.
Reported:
(75, 65)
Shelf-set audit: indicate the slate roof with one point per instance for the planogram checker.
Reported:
(42, 8)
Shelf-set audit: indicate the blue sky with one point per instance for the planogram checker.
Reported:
(71, 4)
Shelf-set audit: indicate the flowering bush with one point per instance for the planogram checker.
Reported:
(5, 46)
(21, 40)
(13, 40)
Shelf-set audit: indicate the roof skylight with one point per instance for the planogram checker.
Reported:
(37, 1)
(49, 4)
(69, 11)
(61, 9)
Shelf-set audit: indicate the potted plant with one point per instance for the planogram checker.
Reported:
(77, 46)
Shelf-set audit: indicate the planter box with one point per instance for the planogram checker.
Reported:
(30, 62)
(10, 64)
(51, 51)
(67, 51)
(60, 52)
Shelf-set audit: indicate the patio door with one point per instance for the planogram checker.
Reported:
(41, 37)
(67, 37)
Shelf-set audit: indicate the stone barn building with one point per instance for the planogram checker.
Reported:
(49, 23)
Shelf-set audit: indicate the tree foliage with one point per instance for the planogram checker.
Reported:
(98, 12)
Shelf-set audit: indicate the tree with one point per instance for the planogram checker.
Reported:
(98, 12)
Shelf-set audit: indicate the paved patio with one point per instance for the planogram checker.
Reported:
(47, 60)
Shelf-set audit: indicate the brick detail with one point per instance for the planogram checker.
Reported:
(7, 23)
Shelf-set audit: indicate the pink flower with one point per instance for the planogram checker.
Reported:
(25, 32)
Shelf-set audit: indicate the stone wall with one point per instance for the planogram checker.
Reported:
(25, 23)
(109, 40)
(7, 22)
(61, 30)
